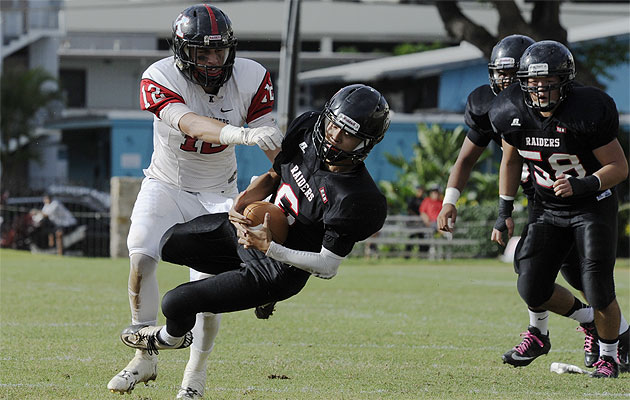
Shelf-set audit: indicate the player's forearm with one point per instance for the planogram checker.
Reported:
(323, 264)
(262, 186)
(466, 160)
(612, 174)
(202, 128)
(510, 173)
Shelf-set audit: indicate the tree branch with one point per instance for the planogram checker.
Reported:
(461, 27)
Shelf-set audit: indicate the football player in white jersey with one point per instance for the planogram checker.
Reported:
(201, 98)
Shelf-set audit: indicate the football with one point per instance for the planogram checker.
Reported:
(256, 211)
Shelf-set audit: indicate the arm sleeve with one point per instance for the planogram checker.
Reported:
(322, 265)
(173, 112)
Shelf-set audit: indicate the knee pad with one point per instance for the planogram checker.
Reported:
(532, 292)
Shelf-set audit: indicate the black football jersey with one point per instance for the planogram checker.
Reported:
(476, 117)
(561, 144)
(326, 208)
(480, 131)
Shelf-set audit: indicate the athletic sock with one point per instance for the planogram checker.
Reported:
(539, 320)
(580, 312)
(623, 325)
(608, 348)
(165, 338)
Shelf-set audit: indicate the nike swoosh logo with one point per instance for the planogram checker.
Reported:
(222, 110)
(544, 318)
(515, 356)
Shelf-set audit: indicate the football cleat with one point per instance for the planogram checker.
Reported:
(192, 385)
(534, 345)
(591, 344)
(622, 351)
(141, 368)
(265, 311)
(606, 367)
(145, 337)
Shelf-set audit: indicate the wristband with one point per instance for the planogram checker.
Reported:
(451, 195)
(505, 211)
(589, 184)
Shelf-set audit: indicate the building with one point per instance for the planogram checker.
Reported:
(99, 48)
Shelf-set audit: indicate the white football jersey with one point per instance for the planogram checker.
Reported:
(191, 164)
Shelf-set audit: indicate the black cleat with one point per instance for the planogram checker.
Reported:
(606, 367)
(591, 344)
(265, 311)
(534, 345)
(622, 351)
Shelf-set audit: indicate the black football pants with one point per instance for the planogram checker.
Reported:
(242, 278)
(549, 240)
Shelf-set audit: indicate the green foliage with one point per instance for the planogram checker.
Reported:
(410, 48)
(391, 330)
(27, 97)
(433, 157)
(600, 55)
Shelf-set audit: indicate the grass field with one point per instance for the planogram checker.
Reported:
(379, 330)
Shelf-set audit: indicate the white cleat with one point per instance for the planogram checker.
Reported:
(192, 385)
(142, 368)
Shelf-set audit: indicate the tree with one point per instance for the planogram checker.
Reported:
(432, 160)
(544, 25)
(27, 99)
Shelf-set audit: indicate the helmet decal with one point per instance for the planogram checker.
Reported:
(541, 69)
(505, 62)
(181, 20)
(348, 122)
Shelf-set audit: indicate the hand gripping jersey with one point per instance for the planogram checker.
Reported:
(330, 208)
(193, 165)
(561, 144)
(480, 132)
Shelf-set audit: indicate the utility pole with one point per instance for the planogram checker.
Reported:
(289, 59)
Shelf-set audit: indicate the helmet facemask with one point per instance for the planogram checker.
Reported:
(502, 73)
(329, 153)
(532, 93)
(201, 73)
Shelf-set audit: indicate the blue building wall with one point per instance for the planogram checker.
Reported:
(132, 146)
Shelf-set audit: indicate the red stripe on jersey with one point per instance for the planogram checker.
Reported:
(263, 100)
(154, 97)
(213, 20)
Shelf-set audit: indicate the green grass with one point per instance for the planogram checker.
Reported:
(379, 330)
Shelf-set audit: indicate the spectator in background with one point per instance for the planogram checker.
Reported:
(431, 206)
(413, 205)
(55, 219)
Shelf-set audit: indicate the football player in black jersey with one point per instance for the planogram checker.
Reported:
(568, 137)
(502, 68)
(504, 63)
(320, 181)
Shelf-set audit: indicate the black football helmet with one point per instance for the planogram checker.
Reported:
(505, 57)
(203, 26)
(542, 59)
(360, 111)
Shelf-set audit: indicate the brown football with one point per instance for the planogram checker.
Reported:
(256, 211)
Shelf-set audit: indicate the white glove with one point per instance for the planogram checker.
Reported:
(266, 137)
